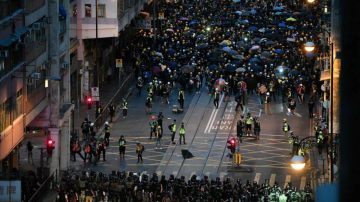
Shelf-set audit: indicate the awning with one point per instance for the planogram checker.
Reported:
(13, 37)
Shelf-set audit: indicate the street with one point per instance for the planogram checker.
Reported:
(207, 131)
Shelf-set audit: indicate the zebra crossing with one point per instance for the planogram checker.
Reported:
(259, 178)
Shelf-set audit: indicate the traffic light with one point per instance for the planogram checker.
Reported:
(89, 102)
(50, 145)
(231, 145)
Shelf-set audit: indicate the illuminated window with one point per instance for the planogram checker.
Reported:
(101, 10)
(88, 10)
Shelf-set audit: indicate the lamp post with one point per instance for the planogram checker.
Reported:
(297, 162)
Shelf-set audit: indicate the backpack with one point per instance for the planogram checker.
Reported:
(170, 127)
(142, 148)
(87, 149)
(75, 147)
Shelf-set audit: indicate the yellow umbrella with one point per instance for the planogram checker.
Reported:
(226, 42)
(291, 19)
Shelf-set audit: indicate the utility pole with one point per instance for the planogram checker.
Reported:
(154, 22)
(96, 72)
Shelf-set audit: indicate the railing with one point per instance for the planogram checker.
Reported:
(44, 188)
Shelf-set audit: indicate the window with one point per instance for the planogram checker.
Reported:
(19, 107)
(88, 10)
(101, 10)
(74, 12)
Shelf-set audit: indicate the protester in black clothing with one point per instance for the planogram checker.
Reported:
(29, 148)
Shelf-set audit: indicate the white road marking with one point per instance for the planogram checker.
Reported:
(272, 180)
(214, 115)
(287, 180)
(257, 178)
(302, 183)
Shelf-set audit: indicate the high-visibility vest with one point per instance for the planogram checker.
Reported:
(320, 138)
(249, 120)
(181, 93)
(125, 105)
(182, 131)
(173, 128)
(286, 127)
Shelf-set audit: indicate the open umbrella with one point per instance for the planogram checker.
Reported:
(226, 49)
(252, 11)
(202, 46)
(170, 30)
(240, 69)
(291, 27)
(231, 68)
(291, 19)
(219, 83)
(265, 54)
(193, 22)
(278, 51)
(172, 64)
(236, 1)
(200, 36)
(252, 28)
(159, 54)
(282, 24)
(262, 30)
(187, 68)
(278, 8)
(233, 52)
(225, 42)
(184, 19)
(238, 12)
(212, 67)
(171, 51)
(255, 47)
(237, 57)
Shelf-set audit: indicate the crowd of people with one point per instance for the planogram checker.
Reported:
(121, 186)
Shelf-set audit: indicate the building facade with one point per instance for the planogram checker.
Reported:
(34, 48)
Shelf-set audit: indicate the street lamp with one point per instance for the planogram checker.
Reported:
(310, 1)
(309, 46)
(297, 162)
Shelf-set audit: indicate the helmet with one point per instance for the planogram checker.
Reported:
(284, 120)
(91, 124)
(106, 123)
(139, 77)
(216, 89)
(267, 93)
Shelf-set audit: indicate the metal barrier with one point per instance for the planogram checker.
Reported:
(115, 101)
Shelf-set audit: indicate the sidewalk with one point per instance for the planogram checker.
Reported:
(107, 92)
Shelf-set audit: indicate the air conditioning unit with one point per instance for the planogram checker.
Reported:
(36, 26)
(65, 65)
(4, 53)
(36, 75)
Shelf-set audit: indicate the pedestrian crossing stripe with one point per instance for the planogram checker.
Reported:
(302, 182)
(272, 179)
(287, 180)
(257, 178)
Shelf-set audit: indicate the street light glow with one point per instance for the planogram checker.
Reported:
(297, 162)
(309, 46)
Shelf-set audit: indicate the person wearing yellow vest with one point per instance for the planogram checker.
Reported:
(286, 127)
(181, 98)
(182, 132)
(248, 124)
(124, 107)
(172, 128)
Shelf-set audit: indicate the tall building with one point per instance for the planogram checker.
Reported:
(89, 33)
(33, 52)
